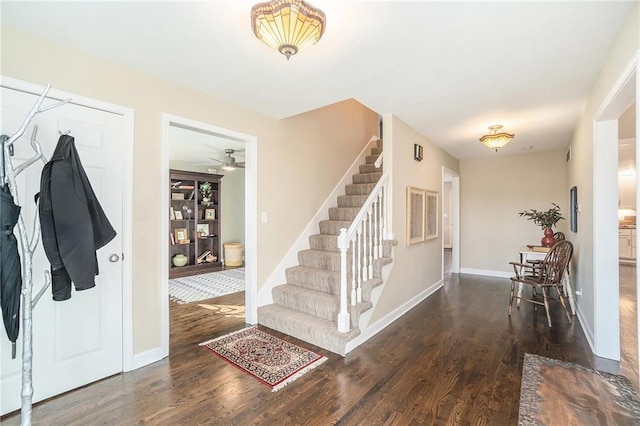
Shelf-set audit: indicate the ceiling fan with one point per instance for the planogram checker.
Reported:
(229, 162)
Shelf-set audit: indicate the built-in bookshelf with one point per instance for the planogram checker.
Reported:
(194, 223)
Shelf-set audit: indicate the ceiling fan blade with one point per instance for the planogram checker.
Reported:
(240, 164)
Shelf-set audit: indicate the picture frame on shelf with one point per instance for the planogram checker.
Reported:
(210, 214)
(181, 234)
(177, 196)
(178, 215)
(172, 215)
(202, 229)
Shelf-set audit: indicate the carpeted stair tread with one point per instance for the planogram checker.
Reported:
(352, 200)
(359, 188)
(370, 168)
(376, 150)
(343, 213)
(315, 278)
(312, 302)
(317, 331)
(320, 259)
(370, 159)
(366, 177)
(326, 242)
(332, 227)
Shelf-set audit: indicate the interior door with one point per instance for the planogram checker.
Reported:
(77, 341)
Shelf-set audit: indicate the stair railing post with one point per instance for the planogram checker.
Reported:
(343, 315)
(358, 270)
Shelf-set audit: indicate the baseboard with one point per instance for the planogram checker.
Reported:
(486, 272)
(148, 357)
(588, 333)
(385, 321)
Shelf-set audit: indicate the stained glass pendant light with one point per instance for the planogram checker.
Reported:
(287, 26)
(496, 140)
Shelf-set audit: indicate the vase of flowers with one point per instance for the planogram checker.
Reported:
(546, 220)
(206, 190)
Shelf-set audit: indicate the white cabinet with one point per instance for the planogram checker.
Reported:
(627, 243)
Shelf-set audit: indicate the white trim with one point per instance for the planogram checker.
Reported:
(251, 215)
(454, 219)
(385, 321)
(265, 296)
(606, 298)
(147, 357)
(486, 272)
(588, 332)
(127, 197)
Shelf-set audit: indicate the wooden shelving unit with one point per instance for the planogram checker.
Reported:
(194, 225)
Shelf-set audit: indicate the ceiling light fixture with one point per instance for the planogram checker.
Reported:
(287, 26)
(496, 140)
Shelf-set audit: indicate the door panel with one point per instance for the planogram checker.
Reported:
(77, 341)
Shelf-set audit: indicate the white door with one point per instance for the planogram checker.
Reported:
(77, 341)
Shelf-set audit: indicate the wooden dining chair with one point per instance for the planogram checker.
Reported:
(548, 274)
(559, 236)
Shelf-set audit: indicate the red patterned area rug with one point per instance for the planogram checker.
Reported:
(557, 392)
(272, 361)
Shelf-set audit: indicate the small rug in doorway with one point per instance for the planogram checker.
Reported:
(267, 358)
(559, 392)
(206, 286)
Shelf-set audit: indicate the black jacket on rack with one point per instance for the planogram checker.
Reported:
(74, 226)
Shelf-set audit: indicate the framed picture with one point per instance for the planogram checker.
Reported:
(177, 214)
(177, 196)
(172, 215)
(573, 209)
(417, 152)
(202, 229)
(210, 214)
(432, 215)
(416, 202)
(181, 234)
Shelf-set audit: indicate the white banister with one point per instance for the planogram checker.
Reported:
(365, 238)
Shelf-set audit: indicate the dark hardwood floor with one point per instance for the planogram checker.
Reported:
(629, 324)
(456, 358)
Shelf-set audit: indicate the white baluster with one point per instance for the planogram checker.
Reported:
(343, 315)
(363, 260)
(376, 231)
(370, 244)
(355, 268)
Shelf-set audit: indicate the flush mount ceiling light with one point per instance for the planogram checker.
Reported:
(496, 140)
(287, 26)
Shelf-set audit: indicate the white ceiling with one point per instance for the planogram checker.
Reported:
(448, 69)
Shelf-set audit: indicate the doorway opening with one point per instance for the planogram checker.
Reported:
(201, 147)
(450, 222)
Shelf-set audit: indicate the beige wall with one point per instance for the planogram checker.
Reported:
(492, 192)
(580, 169)
(287, 160)
(419, 266)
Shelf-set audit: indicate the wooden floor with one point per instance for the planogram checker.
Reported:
(628, 324)
(456, 358)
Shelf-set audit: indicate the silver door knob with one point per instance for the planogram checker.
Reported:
(113, 258)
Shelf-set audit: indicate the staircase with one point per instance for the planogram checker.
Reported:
(307, 306)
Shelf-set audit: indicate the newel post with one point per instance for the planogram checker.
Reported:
(343, 315)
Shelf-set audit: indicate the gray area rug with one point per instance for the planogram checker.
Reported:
(206, 286)
(557, 392)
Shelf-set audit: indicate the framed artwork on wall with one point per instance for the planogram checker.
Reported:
(416, 199)
(573, 209)
(432, 215)
(417, 152)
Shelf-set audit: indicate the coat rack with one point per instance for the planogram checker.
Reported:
(28, 245)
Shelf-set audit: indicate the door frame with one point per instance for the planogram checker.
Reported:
(127, 196)
(454, 219)
(250, 215)
(606, 333)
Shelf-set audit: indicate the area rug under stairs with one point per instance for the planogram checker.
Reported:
(557, 392)
(307, 305)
